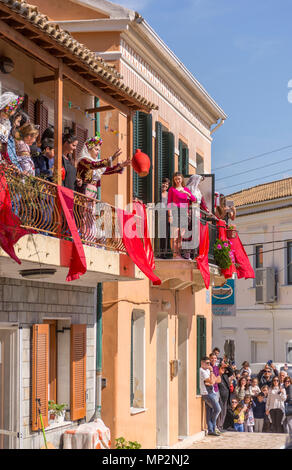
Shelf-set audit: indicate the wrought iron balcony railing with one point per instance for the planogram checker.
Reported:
(35, 202)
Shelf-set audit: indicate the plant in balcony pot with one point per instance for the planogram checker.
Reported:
(222, 253)
(57, 411)
(231, 231)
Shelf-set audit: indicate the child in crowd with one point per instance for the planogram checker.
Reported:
(248, 414)
(267, 424)
(45, 161)
(259, 412)
(239, 417)
(25, 136)
(254, 388)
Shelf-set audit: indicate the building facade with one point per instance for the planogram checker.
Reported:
(153, 337)
(259, 322)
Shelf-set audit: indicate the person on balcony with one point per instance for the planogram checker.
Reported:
(69, 176)
(9, 102)
(178, 200)
(224, 212)
(164, 236)
(25, 136)
(17, 120)
(90, 167)
(45, 161)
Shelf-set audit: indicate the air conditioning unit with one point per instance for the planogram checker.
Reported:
(265, 285)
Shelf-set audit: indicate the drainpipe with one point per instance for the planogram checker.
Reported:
(98, 383)
(218, 125)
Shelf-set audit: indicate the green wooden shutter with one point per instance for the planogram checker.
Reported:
(170, 155)
(142, 139)
(201, 346)
(180, 156)
(158, 160)
(132, 363)
(185, 165)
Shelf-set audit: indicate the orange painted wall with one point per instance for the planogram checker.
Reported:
(66, 10)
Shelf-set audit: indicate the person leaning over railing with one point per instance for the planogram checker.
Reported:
(9, 102)
(45, 160)
(224, 212)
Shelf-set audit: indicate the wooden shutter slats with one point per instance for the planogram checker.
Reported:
(142, 139)
(78, 371)
(41, 116)
(40, 374)
(82, 134)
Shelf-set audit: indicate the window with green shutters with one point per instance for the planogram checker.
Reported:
(142, 139)
(201, 346)
(164, 157)
(183, 158)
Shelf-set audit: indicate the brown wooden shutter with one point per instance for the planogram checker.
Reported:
(30, 108)
(81, 134)
(78, 372)
(41, 116)
(40, 374)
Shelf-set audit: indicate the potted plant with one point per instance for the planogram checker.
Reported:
(231, 231)
(222, 253)
(57, 411)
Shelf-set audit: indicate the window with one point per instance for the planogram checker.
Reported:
(137, 364)
(259, 257)
(142, 139)
(289, 262)
(58, 369)
(200, 164)
(164, 157)
(183, 159)
(201, 346)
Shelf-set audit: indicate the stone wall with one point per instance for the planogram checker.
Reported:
(29, 302)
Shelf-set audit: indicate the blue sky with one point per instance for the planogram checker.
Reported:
(241, 52)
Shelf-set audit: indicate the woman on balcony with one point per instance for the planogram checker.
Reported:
(224, 212)
(178, 201)
(9, 102)
(90, 168)
(25, 136)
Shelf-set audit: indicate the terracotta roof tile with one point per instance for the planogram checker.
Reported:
(88, 58)
(263, 192)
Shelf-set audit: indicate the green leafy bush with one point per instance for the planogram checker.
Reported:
(221, 253)
(121, 443)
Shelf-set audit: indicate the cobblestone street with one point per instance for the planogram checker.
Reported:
(244, 440)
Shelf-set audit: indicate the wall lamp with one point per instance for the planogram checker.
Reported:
(6, 65)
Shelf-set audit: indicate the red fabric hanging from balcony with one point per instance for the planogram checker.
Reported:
(140, 210)
(202, 259)
(244, 268)
(10, 229)
(134, 245)
(78, 260)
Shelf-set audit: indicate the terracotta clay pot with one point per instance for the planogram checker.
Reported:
(141, 163)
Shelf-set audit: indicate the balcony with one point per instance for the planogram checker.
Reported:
(179, 273)
(35, 202)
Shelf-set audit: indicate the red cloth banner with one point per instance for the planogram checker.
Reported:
(202, 258)
(244, 268)
(10, 229)
(78, 260)
(140, 210)
(134, 245)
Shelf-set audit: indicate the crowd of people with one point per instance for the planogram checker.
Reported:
(33, 154)
(237, 400)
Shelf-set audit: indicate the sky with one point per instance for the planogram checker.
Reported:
(241, 52)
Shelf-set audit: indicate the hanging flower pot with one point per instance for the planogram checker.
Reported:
(141, 163)
(231, 231)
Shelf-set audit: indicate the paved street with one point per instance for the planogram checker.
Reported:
(244, 440)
